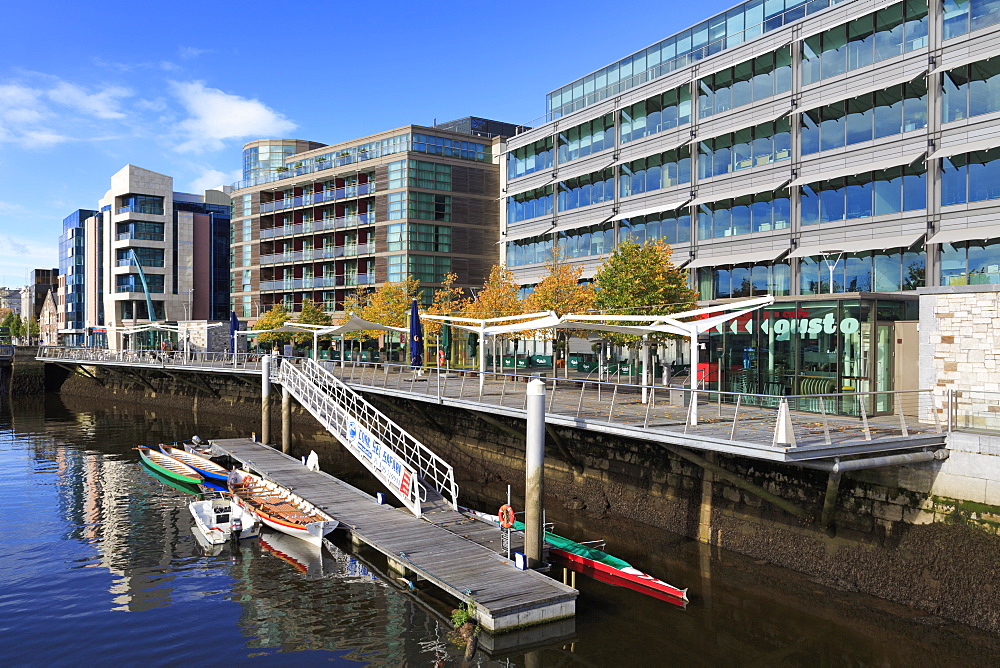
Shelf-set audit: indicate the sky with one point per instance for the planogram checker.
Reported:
(178, 88)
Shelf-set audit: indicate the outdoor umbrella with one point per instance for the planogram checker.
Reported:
(473, 344)
(416, 337)
(446, 340)
(234, 326)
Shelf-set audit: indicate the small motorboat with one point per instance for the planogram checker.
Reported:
(169, 467)
(220, 518)
(203, 465)
(280, 508)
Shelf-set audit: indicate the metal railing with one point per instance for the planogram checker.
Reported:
(340, 409)
(765, 420)
(221, 361)
(970, 410)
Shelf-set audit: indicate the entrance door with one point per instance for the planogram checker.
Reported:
(906, 374)
(883, 371)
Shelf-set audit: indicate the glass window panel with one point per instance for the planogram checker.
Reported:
(809, 204)
(740, 278)
(833, 125)
(742, 215)
(954, 179)
(955, 93)
(860, 118)
(984, 175)
(888, 271)
(861, 42)
(984, 86)
(742, 88)
(889, 32)
(914, 189)
(984, 13)
(859, 196)
(858, 270)
(888, 191)
(834, 60)
(832, 201)
(888, 112)
(810, 133)
(812, 47)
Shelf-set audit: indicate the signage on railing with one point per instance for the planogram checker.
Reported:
(383, 460)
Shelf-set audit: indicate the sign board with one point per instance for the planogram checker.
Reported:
(382, 461)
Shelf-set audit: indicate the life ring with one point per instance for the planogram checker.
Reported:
(506, 516)
(440, 358)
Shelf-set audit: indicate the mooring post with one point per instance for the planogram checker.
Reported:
(534, 475)
(286, 420)
(265, 399)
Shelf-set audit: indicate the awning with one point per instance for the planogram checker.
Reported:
(874, 243)
(661, 208)
(965, 234)
(756, 121)
(968, 147)
(676, 144)
(356, 324)
(545, 322)
(871, 88)
(746, 190)
(739, 258)
(527, 235)
(862, 168)
(952, 63)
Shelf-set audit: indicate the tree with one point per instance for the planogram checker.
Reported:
(447, 300)
(498, 296)
(560, 291)
(641, 280)
(311, 314)
(274, 318)
(32, 328)
(389, 305)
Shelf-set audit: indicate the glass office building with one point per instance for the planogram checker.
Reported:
(842, 151)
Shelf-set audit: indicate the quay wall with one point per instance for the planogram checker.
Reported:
(926, 535)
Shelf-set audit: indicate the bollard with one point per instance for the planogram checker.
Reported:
(534, 472)
(286, 420)
(265, 399)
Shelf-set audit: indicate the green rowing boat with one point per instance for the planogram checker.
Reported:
(169, 467)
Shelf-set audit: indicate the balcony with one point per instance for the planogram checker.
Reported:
(317, 282)
(318, 198)
(129, 262)
(139, 236)
(137, 208)
(325, 253)
(319, 225)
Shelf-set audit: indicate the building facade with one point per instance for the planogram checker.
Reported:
(324, 221)
(40, 282)
(838, 155)
(146, 245)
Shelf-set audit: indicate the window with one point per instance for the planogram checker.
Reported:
(246, 201)
(671, 227)
(143, 231)
(532, 250)
(451, 147)
(744, 280)
(971, 263)
(529, 204)
(743, 149)
(656, 171)
(752, 80)
(247, 230)
(147, 204)
(971, 90)
(867, 194)
(962, 16)
(887, 33)
(869, 116)
(889, 270)
(587, 189)
(246, 255)
(970, 177)
(424, 268)
(419, 237)
(742, 215)
(584, 241)
(419, 174)
(656, 114)
(587, 138)
(148, 257)
(133, 282)
(529, 159)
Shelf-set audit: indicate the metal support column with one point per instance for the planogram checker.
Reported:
(286, 420)
(534, 476)
(265, 399)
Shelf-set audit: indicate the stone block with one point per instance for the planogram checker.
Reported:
(959, 487)
(993, 492)
(888, 511)
(974, 465)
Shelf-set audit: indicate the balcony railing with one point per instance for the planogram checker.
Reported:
(319, 225)
(149, 210)
(317, 282)
(318, 198)
(139, 236)
(349, 250)
(129, 262)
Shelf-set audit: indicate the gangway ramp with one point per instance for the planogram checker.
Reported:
(434, 548)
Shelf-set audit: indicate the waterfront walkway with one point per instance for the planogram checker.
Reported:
(455, 553)
(760, 426)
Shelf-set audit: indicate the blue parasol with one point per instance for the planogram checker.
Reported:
(416, 337)
(234, 326)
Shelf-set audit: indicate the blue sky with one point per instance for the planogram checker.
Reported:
(178, 88)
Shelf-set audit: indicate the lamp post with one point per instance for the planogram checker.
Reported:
(831, 266)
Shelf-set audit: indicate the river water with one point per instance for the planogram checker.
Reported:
(98, 563)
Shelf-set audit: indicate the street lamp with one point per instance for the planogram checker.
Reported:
(831, 265)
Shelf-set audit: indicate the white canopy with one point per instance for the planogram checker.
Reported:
(356, 324)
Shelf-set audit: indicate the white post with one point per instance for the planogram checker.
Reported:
(645, 367)
(265, 399)
(315, 345)
(534, 473)
(693, 412)
(343, 349)
(482, 358)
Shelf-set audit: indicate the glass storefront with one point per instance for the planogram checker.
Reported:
(810, 346)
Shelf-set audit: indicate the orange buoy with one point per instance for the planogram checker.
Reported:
(506, 516)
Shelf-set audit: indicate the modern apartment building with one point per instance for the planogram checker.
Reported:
(40, 281)
(777, 146)
(318, 222)
(145, 245)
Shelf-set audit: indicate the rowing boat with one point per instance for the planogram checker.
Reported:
(203, 465)
(599, 564)
(280, 508)
(169, 467)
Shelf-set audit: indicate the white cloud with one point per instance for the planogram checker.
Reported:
(212, 178)
(216, 116)
(101, 104)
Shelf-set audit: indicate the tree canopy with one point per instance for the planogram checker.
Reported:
(388, 305)
(641, 280)
(447, 300)
(498, 297)
(273, 318)
(311, 314)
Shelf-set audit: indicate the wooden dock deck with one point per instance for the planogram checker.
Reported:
(444, 547)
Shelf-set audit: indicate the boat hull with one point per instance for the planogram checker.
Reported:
(637, 581)
(169, 467)
(214, 518)
(280, 508)
(206, 467)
